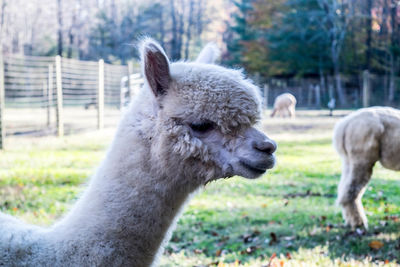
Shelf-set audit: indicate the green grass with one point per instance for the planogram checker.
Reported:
(290, 211)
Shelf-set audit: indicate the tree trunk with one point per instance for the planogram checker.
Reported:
(15, 43)
(3, 11)
(71, 43)
(71, 37)
(189, 29)
(60, 25)
(80, 50)
(114, 13)
(181, 29)
(321, 76)
(338, 80)
(392, 64)
(199, 17)
(368, 26)
(174, 54)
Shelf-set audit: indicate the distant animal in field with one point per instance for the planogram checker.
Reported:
(192, 123)
(331, 106)
(284, 105)
(361, 139)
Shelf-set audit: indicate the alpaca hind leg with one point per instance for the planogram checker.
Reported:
(353, 182)
(273, 112)
(292, 112)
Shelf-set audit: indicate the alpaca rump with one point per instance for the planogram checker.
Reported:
(284, 105)
(361, 139)
(191, 123)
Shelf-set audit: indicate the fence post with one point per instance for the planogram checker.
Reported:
(317, 96)
(100, 96)
(366, 89)
(2, 102)
(266, 91)
(49, 93)
(330, 91)
(59, 106)
(310, 94)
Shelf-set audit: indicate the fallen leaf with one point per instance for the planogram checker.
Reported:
(386, 209)
(213, 233)
(271, 259)
(286, 202)
(218, 252)
(375, 244)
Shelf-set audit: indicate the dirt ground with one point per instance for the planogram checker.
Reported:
(309, 124)
(34, 122)
(25, 123)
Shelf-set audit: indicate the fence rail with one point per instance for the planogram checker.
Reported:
(361, 90)
(53, 95)
(47, 95)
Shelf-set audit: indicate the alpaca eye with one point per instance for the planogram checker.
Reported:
(202, 127)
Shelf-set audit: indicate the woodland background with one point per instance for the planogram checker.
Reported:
(332, 41)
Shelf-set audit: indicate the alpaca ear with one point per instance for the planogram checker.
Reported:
(209, 54)
(155, 66)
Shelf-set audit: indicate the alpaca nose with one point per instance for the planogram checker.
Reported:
(267, 146)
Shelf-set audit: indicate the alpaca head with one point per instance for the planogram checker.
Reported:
(204, 117)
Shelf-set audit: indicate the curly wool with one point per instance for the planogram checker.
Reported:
(361, 139)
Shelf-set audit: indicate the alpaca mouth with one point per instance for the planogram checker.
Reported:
(253, 167)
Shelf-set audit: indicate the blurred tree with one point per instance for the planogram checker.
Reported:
(60, 28)
(298, 40)
(101, 43)
(241, 35)
(335, 24)
(3, 5)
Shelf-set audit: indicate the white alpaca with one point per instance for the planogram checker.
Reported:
(285, 105)
(192, 123)
(361, 139)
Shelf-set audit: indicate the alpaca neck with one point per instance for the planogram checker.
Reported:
(128, 205)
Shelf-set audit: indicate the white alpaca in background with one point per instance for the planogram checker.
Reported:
(361, 139)
(284, 105)
(192, 123)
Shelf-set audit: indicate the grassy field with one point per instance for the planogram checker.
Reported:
(286, 218)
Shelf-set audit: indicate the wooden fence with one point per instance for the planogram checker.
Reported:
(53, 93)
(361, 90)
